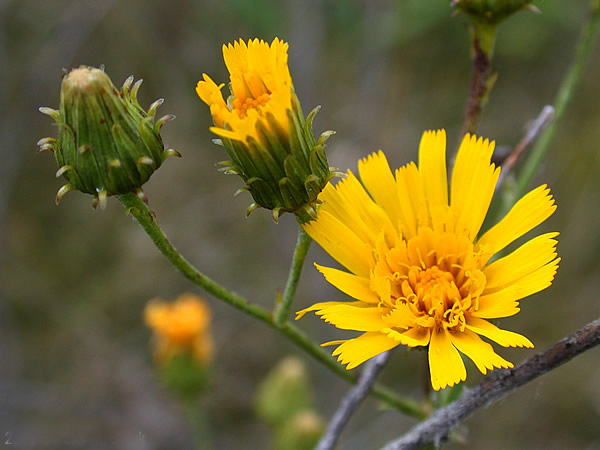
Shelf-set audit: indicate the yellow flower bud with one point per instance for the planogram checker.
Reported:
(262, 127)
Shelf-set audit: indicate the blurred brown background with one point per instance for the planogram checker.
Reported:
(75, 361)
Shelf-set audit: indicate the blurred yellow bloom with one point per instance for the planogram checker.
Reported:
(261, 86)
(183, 325)
(419, 272)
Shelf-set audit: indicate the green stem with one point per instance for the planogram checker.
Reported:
(147, 220)
(569, 85)
(282, 309)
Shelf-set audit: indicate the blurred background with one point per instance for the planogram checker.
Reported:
(76, 361)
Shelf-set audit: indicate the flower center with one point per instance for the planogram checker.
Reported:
(434, 297)
(242, 107)
(436, 275)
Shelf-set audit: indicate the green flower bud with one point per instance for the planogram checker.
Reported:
(284, 392)
(301, 432)
(491, 11)
(107, 144)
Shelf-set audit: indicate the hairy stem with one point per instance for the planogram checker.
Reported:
(567, 89)
(147, 220)
(282, 309)
(497, 385)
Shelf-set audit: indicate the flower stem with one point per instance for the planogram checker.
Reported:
(483, 39)
(282, 309)
(147, 220)
(585, 44)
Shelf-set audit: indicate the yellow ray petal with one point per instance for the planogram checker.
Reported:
(502, 303)
(323, 305)
(341, 243)
(445, 364)
(377, 177)
(502, 337)
(413, 203)
(354, 317)
(414, 337)
(400, 317)
(473, 182)
(209, 91)
(349, 202)
(528, 258)
(432, 166)
(526, 214)
(355, 286)
(480, 352)
(356, 351)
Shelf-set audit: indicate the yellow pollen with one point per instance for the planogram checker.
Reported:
(433, 293)
(242, 107)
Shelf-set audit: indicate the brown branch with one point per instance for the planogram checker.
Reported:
(483, 38)
(351, 401)
(497, 385)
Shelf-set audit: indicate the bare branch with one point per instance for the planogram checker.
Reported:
(351, 401)
(496, 386)
(545, 117)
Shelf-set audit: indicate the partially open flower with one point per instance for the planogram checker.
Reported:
(107, 144)
(262, 127)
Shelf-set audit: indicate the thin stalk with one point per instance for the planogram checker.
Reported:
(483, 40)
(147, 220)
(568, 87)
(282, 308)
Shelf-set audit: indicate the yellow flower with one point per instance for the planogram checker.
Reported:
(419, 272)
(262, 127)
(261, 85)
(183, 325)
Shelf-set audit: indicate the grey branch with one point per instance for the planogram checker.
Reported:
(496, 386)
(545, 117)
(351, 401)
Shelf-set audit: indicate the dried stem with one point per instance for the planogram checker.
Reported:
(351, 401)
(497, 385)
(545, 117)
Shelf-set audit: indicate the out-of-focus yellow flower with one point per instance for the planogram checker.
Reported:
(262, 127)
(181, 326)
(419, 272)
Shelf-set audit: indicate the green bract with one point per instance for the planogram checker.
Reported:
(107, 144)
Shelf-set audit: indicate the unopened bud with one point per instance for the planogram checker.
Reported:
(284, 392)
(107, 144)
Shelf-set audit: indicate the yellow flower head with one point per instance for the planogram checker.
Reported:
(262, 127)
(183, 325)
(261, 85)
(419, 272)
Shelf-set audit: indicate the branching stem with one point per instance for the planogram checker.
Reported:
(147, 220)
(495, 386)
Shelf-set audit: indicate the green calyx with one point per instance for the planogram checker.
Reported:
(107, 144)
(491, 11)
(284, 171)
